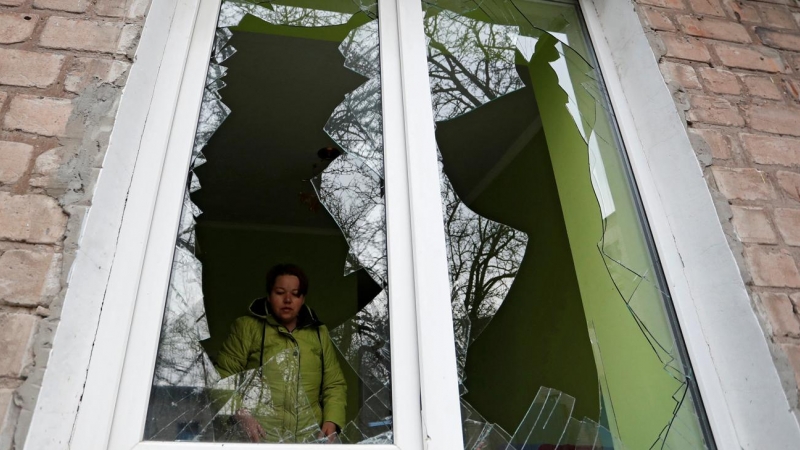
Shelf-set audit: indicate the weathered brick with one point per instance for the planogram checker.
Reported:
(88, 70)
(744, 184)
(3, 97)
(658, 20)
(752, 225)
(762, 87)
(89, 35)
(796, 16)
(790, 183)
(45, 169)
(712, 7)
(128, 40)
(138, 8)
(15, 158)
(31, 218)
(792, 88)
(671, 4)
(778, 16)
(16, 332)
(743, 12)
(794, 62)
(779, 39)
(772, 150)
(751, 57)
(720, 81)
(25, 275)
(717, 142)
(714, 29)
(29, 69)
(683, 47)
(39, 115)
(780, 312)
(788, 222)
(11, 2)
(681, 74)
(771, 267)
(16, 27)
(111, 8)
(713, 110)
(774, 119)
(75, 6)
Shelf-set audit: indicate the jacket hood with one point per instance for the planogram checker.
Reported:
(260, 308)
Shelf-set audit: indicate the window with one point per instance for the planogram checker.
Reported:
(475, 198)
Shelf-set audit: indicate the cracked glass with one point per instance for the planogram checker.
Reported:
(556, 290)
(293, 129)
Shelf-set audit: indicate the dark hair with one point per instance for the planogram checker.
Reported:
(287, 269)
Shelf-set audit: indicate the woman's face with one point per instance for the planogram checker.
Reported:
(285, 300)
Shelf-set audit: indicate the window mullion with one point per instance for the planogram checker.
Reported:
(437, 356)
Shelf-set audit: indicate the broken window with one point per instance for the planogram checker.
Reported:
(564, 331)
(291, 123)
(555, 286)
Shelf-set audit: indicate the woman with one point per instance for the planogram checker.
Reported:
(300, 386)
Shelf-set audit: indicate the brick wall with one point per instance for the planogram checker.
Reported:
(734, 70)
(62, 63)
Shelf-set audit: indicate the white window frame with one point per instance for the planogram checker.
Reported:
(95, 394)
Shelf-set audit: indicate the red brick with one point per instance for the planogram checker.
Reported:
(75, 6)
(714, 29)
(713, 110)
(771, 267)
(712, 7)
(790, 183)
(29, 69)
(682, 47)
(658, 20)
(772, 150)
(753, 58)
(87, 70)
(16, 333)
(788, 222)
(25, 277)
(720, 81)
(778, 119)
(681, 74)
(717, 143)
(752, 225)
(15, 157)
(743, 12)
(63, 33)
(671, 4)
(16, 28)
(780, 312)
(743, 184)
(779, 39)
(792, 88)
(762, 87)
(31, 218)
(778, 17)
(38, 115)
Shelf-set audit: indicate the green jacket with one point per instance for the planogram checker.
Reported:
(300, 384)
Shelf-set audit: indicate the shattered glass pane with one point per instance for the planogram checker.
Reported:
(190, 401)
(483, 56)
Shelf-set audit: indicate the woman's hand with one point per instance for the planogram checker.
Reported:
(328, 430)
(251, 426)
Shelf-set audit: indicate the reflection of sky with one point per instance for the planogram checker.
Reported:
(527, 45)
